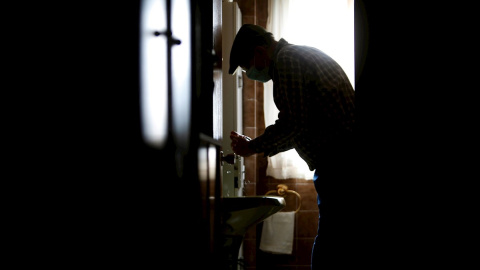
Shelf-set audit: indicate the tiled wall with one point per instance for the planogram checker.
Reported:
(257, 183)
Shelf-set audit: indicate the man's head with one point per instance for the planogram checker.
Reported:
(249, 47)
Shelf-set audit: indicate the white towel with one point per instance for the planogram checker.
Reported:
(277, 233)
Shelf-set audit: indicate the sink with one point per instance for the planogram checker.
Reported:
(238, 215)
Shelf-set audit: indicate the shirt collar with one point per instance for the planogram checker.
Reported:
(281, 43)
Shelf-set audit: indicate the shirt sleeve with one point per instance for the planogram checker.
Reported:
(288, 98)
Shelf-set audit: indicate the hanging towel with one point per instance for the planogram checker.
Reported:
(277, 233)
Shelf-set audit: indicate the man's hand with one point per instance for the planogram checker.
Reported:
(240, 144)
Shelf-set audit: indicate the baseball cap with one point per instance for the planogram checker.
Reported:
(248, 37)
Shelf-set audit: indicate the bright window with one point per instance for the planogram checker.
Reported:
(325, 24)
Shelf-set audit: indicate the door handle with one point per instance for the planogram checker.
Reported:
(168, 34)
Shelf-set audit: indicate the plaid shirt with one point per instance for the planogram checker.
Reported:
(315, 100)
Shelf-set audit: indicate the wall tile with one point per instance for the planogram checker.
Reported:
(249, 114)
(261, 9)
(291, 201)
(289, 182)
(267, 260)
(250, 132)
(251, 233)
(259, 91)
(305, 247)
(269, 187)
(249, 251)
(307, 224)
(250, 186)
(249, 91)
(248, 20)
(250, 169)
(247, 7)
(309, 195)
(261, 166)
(260, 118)
(251, 176)
(260, 110)
(262, 23)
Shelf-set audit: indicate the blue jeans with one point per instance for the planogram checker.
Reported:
(335, 240)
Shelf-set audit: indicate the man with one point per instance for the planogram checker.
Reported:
(316, 117)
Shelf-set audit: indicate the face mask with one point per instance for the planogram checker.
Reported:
(259, 75)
